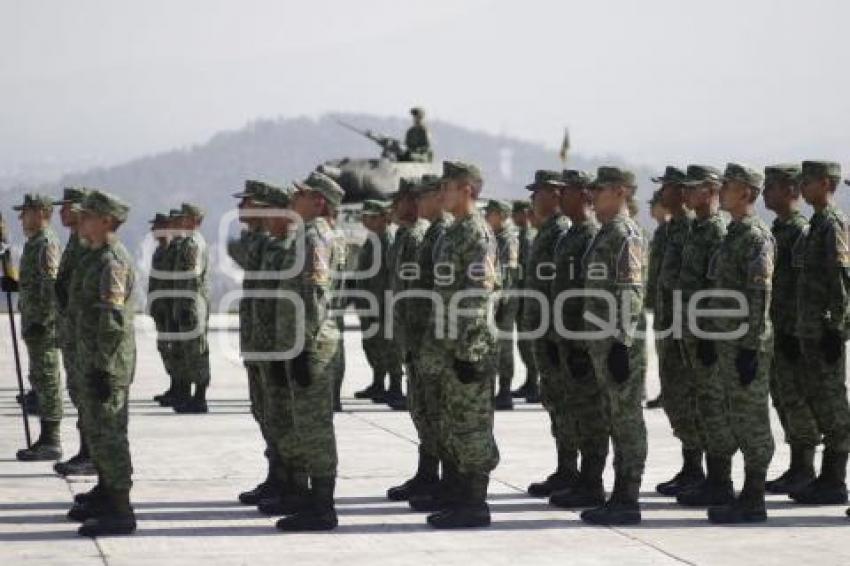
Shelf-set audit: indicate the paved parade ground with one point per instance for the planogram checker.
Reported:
(188, 470)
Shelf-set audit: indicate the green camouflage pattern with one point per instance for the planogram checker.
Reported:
(507, 307)
(191, 354)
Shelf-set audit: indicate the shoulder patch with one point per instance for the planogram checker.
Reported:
(841, 241)
(760, 267)
(630, 260)
(50, 257)
(113, 283)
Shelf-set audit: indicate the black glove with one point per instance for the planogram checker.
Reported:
(278, 371)
(466, 371)
(747, 364)
(35, 331)
(789, 345)
(100, 381)
(9, 285)
(579, 363)
(830, 344)
(707, 353)
(552, 353)
(301, 369)
(618, 362)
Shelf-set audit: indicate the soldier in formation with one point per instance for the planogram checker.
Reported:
(522, 216)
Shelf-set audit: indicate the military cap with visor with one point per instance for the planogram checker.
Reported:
(820, 169)
(159, 218)
(672, 176)
(743, 174)
(322, 184)
(521, 206)
(192, 210)
(500, 206)
(275, 197)
(576, 178)
(428, 183)
(459, 170)
(252, 189)
(609, 175)
(546, 178)
(782, 173)
(699, 174)
(72, 195)
(101, 203)
(373, 207)
(35, 200)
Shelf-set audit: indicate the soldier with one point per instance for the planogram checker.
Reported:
(309, 375)
(460, 353)
(166, 282)
(38, 308)
(402, 259)
(417, 140)
(380, 354)
(787, 372)
(247, 252)
(497, 215)
(72, 198)
(338, 302)
(822, 323)
(157, 307)
(192, 313)
(614, 272)
(678, 388)
(522, 220)
(423, 388)
(546, 197)
(744, 266)
(582, 389)
(656, 253)
(708, 228)
(101, 295)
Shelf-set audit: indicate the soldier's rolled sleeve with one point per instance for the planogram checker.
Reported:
(480, 281)
(315, 286)
(111, 326)
(836, 271)
(628, 290)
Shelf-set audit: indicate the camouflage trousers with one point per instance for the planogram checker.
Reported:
(712, 411)
(505, 322)
(554, 395)
(625, 412)
(746, 409)
(381, 353)
(257, 396)
(423, 402)
(191, 361)
(788, 379)
(338, 363)
(105, 426)
(526, 351)
(466, 418)
(275, 416)
(311, 438)
(44, 376)
(679, 392)
(826, 392)
(586, 405)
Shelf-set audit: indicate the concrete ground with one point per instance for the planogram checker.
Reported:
(188, 470)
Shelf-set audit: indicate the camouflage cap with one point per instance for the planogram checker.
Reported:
(460, 169)
(176, 213)
(500, 206)
(521, 206)
(35, 200)
(544, 178)
(159, 218)
(274, 197)
(322, 184)
(192, 210)
(820, 169)
(101, 203)
(782, 173)
(72, 195)
(374, 207)
(428, 183)
(576, 178)
(609, 175)
(253, 188)
(672, 176)
(744, 174)
(699, 174)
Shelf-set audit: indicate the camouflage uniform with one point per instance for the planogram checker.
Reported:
(506, 311)
(159, 308)
(417, 140)
(526, 238)
(37, 304)
(340, 254)
(405, 252)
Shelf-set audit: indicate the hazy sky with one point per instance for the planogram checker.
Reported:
(651, 80)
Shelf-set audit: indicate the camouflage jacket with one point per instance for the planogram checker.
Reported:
(656, 255)
(157, 307)
(39, 268)
(103, 301)
(701, 248)
(465, 262)
(191, 266)
(539, 276)
(312, 284)
(788, 234)
(247, 252)
(822, 288)
(569, 255)
(70, 258)
(378, 283)
(277, 256)
(404, 270)
(613, 267)
(669, 270)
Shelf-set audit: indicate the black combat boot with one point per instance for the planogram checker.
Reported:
(118, 518)
(292, 497)
(181, 395)
(266, 489)
(89, 504)
(565, 475)
(30, 401)
(589, 490)
(471, 511)
(376, 391)
(716, 489)
(93, 493)
(527, 389)
(79, 465)
(691, 475)
(319, 514)
(504, 400)
(426, 479)
(338, 396)
(46, 448)
(622, 508)
(443, 496)
(829, 488)
(748, 508)
(195, 405)
(799, 474)
(168, 393)
(395, 398)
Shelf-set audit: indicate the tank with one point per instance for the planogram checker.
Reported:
(377, 178)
